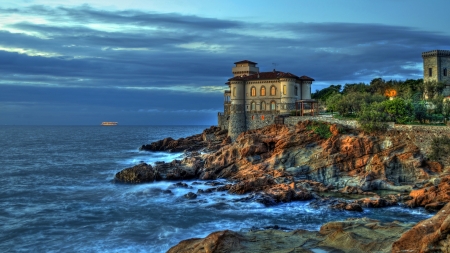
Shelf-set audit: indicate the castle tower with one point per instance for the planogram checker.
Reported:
(436, 67)
(245, 68)
(306, 89)
(237, 120)
(288, 95)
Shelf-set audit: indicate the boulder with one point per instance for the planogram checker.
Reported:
(141, 173)
(432, 196)
(352, 235)
(431, 235)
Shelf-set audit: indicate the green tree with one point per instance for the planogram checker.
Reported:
(373, 118)
(399, 110)
(324, 94)
(332, 101)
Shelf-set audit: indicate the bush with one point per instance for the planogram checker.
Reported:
(320, 128)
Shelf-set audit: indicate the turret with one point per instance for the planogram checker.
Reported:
(236, 124)
(245, 68)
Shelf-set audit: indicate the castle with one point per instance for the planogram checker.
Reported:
(255, 99)
(436, 66)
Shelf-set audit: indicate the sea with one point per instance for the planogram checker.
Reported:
(57, 194)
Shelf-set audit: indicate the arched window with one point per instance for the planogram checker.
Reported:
(234, 92)
(273, 91)
(263, 106)
(284, 89)
(253, 117)
(445, 72)
(253, 106)
(273, 106)
(263, 91)
(253, 92)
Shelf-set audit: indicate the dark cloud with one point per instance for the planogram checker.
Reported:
(144, 60)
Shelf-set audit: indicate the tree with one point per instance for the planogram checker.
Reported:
(332, 101)
(432, 89)
(373, 118)
(399, 110)
(324, 94)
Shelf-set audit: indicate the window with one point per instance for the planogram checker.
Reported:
(296, 90)
(273, 91)
(445, 72)
(253, 117)
(284, 89)
(263, 106)
(263, 91)
(253, 106)
(253, 92)
(430, 72)
(234, 92)
(272, 106)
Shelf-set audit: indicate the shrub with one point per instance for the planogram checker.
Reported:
(320, 128)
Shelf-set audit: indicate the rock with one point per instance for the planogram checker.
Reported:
(352, 235)
(354, 207)
(431, 235)
(432, 194)
(251, 185)
(212, 138)
(190, 195)
(140, 173)
(351, 190)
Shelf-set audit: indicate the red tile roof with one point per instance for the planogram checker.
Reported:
(245, 61)
(270, 75)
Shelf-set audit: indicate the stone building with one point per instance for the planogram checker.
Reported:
(436, 66)
(256, 98)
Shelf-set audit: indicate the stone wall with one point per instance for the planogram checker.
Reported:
(293, 120)
(422, 136)
(222, 120)
(260, 119)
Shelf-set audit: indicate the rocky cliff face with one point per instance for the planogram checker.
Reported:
(387, 161)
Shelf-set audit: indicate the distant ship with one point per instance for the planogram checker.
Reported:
(109, 123)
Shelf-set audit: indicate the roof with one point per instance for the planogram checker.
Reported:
(245, 61)
(270, 75)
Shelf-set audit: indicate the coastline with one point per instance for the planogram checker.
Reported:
(258, 163)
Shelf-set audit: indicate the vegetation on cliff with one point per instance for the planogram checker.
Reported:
(411, 101)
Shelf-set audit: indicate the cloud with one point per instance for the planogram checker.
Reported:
(187, 59)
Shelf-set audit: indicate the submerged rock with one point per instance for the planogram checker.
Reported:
(190, 195)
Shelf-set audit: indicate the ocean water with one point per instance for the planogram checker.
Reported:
(57, 195)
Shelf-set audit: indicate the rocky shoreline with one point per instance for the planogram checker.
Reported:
(282, 163)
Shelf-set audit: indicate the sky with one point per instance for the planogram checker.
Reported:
(165, 62)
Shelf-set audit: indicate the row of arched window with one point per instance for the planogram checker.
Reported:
(263, 106)
(273, 91)
(262, 92)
